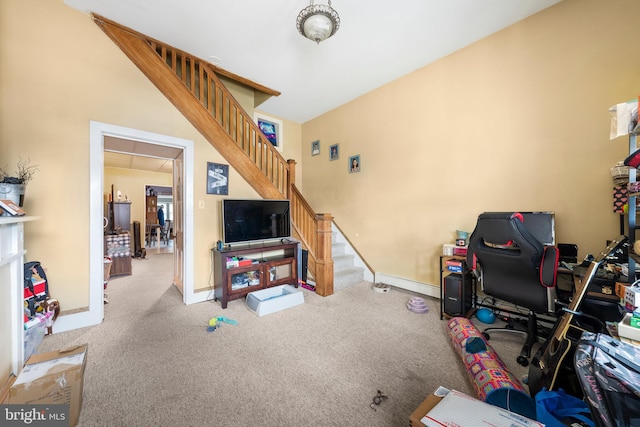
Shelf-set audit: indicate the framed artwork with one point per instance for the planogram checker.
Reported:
(334, 154)
(271, 128)
(217, 179)
(354, 163)
(315, 148)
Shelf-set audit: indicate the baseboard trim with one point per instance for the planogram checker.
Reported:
(410, 285)
(201, 295)
(76, 320)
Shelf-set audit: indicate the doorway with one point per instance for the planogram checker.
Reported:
(158, 218)
(97, 132)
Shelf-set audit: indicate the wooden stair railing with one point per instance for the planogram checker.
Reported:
(193, 87)
(314, 231)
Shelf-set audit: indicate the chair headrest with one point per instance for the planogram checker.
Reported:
(502, 231)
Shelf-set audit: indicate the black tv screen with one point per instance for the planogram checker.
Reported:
(253, 220)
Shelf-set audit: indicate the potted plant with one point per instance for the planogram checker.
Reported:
(12, 186)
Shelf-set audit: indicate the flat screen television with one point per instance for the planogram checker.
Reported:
(255, 220)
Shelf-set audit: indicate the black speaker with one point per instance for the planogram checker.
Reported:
(305, 265)
(457, 295)
(137, 244)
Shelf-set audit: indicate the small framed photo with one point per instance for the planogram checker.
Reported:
(271, 128)
(217, 179)
(315, 148)
(354, 163)
(334, 154)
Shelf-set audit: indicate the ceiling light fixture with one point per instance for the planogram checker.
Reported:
(318, 22)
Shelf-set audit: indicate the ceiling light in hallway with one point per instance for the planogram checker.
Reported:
(318, 22)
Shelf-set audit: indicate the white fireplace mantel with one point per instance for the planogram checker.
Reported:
(12, 254)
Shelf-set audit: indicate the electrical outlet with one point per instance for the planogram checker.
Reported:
(201, 204)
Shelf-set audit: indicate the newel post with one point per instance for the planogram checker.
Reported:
(324, 260)
(292, 176)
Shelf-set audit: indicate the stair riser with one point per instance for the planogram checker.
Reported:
(342, 263)
(337, 249)
(343, 281)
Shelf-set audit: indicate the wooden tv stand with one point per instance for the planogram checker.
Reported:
(267, 265)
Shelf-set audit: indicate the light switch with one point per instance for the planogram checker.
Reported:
(201, 204)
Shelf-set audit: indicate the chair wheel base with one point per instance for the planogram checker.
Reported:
(522, 361)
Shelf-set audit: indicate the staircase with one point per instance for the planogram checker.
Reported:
(345, 273)
(195, 89)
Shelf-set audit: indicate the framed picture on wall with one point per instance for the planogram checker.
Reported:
(334, 154)
(217, 179)
(271, 128)
(354, 163)
(315, 148)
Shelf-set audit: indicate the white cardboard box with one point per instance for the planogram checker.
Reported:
(459, 409)
(626, 330)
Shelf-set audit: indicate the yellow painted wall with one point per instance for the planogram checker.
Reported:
(516, 121)
(58, 72)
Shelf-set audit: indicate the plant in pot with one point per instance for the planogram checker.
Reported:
(12, 186)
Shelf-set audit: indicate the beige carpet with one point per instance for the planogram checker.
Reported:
(152, 361)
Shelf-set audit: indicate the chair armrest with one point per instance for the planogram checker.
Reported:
(549, 266)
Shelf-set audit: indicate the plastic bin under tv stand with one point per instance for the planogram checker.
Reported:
(273, 264)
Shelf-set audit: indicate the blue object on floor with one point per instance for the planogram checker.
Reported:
(485, 315)
(225, 320)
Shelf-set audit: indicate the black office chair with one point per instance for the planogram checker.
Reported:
(513, 266)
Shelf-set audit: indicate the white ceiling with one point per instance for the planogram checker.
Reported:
(378, 41)
(127, 154)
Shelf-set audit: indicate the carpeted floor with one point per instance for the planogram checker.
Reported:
(152, 361)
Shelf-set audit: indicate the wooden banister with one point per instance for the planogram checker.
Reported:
(193, 86)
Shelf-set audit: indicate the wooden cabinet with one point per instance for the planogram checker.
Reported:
(152, 210)
(245, 269)
(121, 216)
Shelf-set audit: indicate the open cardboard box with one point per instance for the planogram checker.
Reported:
(55, 377)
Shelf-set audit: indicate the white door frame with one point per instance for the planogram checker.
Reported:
(97, 132)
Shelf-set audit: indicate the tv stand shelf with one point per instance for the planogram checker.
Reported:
(272, 264)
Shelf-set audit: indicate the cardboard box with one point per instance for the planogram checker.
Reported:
(626, 330)
(621, 289)
(447, 249)
(4, 391)
(55, 377)
(458, 409)
(460, 250)
(632, 295)
(422, 410)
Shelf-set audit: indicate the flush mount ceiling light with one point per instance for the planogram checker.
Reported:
(318, 22)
